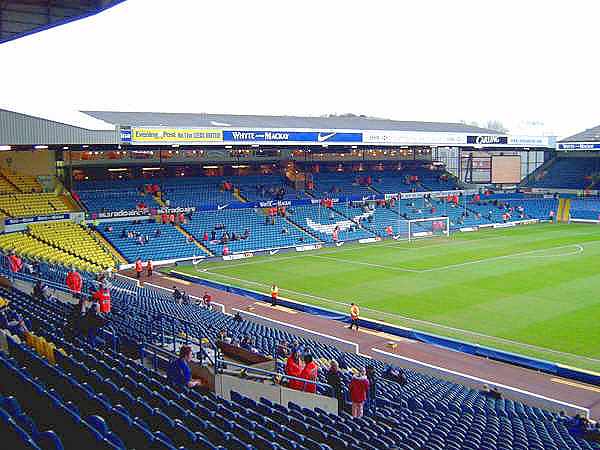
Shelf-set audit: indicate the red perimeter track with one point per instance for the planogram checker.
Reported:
(529, 380)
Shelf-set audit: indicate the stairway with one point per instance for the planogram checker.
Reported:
(107, 246)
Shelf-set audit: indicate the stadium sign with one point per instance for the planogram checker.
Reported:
(291, 136)
(533, 141)
(487, 140)
(579, 146)
(141, 212)
(413, 137)
(48, 218)
(238, 256)
(152, 135)
(306, 248)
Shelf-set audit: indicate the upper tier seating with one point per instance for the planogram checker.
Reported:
(261, 235)
(568, 173)
(74, 239)
(136, 409)
(26, 184)
(166, 243)
(23, 205)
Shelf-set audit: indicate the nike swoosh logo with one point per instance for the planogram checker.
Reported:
(273, 252)
(324, 137)
(220, 207)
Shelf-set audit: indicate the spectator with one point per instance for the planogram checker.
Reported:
(179, 373)
(282, 350)
(185, 298)
(238, 318)
(12, 321)
(395, 374)
(334, 379)
(372, 394)
(206, 299)
(310, 373)
(293, 368)
(359, 387)
(176, 295)
(40, 291)
(93, 321)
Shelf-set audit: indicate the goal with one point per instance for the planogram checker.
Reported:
(422, 228)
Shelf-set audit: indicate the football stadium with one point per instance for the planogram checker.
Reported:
(232, 281)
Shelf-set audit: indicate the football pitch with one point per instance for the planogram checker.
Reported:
(533, 290)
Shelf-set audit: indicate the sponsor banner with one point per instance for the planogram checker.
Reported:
(306, 248)
(151, 135)
(504, 225)
(369, 240)
(486, 139)
(413, 137)
(533, 141)
(238, 256)
(422, 234)
(48, 218)
(140, 212)
(273, 203)
(438, 194)
(291, 136)
(467, 229)
(578, 146)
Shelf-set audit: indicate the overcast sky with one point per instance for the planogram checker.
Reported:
(514, 61)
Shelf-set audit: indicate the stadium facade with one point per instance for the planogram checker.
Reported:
(139, 138)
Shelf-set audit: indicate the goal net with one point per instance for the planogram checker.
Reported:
(422, 228)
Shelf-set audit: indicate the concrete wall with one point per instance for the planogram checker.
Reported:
(224, 384)
(35, 162)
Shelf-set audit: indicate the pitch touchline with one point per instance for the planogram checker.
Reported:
(410, 319)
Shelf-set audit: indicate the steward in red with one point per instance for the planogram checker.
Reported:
(139, 268)
(103, 297)
(14, 262)
(311, 373)
(74, 282)
(293, 368)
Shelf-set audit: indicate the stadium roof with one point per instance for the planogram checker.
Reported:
(20, 18)
(589, 135)
(155, 119)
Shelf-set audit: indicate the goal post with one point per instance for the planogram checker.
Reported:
(410, 229)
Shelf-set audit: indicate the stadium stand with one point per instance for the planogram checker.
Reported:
(160, 242)
(26, 245)
(24, 205)
(261, 234)
(26, 184)
(113, 401)
(73, 239)
(568, 173)
(587, 209)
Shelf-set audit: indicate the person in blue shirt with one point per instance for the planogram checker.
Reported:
(179, 373)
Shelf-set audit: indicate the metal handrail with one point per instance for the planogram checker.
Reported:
(272, 374)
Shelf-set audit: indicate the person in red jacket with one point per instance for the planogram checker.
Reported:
(139, 268)
(164, 218)
(102, 295)
(293, 368)
(359, 387)
(149, 268)
(14, 263)
(74, 282)
(310, 373)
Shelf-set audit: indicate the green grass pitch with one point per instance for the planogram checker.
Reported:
(533, 290)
